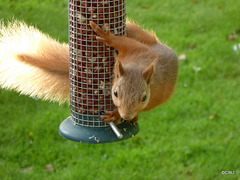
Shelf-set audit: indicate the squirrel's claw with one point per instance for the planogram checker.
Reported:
(114, 112)
(102, 35)
(99, 38)
(112, 116)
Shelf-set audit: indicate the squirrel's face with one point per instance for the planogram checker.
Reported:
(131, 90)
(130, 96)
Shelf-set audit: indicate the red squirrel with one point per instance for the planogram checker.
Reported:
(37, 65)
(145, 72)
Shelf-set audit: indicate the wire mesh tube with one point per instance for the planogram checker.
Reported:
(91, 62)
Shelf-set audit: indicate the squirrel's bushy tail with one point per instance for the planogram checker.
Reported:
(32, 63)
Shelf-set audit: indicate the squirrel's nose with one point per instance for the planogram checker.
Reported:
(127, 116)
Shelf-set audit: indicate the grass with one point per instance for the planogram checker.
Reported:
(195, 135)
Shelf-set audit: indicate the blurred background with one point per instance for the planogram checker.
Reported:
(195, 135)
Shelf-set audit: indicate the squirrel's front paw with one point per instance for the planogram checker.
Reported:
(105, 37)
(112, 116)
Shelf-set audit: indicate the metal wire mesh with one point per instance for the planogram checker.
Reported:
(91, 62)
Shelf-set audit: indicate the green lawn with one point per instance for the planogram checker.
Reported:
(195, 135)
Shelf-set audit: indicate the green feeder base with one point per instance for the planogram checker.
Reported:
(95, 135)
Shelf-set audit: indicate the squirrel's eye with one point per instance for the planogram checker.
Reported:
(115, 93)
(144, 98)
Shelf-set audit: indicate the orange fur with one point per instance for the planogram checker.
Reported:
(51, 56)
(33, 63)
(141, 36)
(150, 69)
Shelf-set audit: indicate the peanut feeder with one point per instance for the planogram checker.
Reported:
(91, 70)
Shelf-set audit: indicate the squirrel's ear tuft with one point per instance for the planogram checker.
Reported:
(147, 73)
(119, 69)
